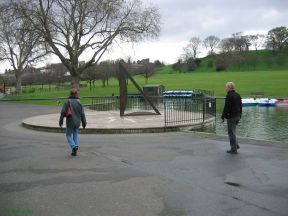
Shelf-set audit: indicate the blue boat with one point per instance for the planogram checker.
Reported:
(178, 93)
(266, 102)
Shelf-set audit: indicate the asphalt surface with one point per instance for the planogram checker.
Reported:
(165, 174)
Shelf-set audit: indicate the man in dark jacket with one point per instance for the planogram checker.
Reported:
(73, 121)
(232, 112)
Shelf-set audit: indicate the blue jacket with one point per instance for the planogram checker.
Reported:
(78, 114)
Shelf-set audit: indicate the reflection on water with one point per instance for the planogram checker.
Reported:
(266, 123)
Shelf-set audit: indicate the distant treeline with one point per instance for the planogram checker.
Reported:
(235, 52)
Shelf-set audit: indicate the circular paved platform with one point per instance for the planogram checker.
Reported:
(109, 122)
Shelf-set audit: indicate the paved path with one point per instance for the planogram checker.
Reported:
(165, 174)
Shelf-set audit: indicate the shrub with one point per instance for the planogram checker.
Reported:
(197, 62)
(177, 66)
(220, 68)
(157, 63)
(32, 90)
(210, 64)
(191, 65)
(220, 64)
(280, 59)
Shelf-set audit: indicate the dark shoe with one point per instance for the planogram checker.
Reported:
(74, 151)
(232, 151)
(238, 147)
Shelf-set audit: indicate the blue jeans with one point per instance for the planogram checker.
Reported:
(72, 136)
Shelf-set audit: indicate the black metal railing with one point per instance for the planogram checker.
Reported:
(185, 111)
(177, 111)
(104, 103)
(134, 103)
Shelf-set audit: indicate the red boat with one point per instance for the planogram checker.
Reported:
(282, 102)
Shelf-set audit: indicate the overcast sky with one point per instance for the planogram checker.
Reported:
(183, 19)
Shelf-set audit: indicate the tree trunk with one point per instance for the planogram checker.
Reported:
(18, 84)
(103, 83)
(75, 82)
(90, 84)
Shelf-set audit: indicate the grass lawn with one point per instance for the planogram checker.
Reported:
(272, 83)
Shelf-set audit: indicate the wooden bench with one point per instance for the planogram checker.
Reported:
(257, 94)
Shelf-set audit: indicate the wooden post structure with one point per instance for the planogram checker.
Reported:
(123, 73)
(123, 91)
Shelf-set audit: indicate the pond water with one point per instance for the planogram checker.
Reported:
(265, 123)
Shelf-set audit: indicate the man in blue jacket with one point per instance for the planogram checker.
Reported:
(74, 119)
(232, 112)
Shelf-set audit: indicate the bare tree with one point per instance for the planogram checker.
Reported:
(29, 77)
(187, 54)
(19, 45)
(59, 71)
(178, 65)
(105, 70)
(193, 48)
(257, 40)
(85, 29)
(3, 83)
(90, 75)
(211, 43)
(241, 42)
(246, 42)
(147, 69)
(227, 45)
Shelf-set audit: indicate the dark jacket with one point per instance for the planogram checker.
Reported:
(78, 114)
(233, 105)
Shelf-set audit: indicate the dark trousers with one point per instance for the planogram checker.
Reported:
(231, 123)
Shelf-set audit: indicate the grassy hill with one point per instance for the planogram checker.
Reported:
(272, 83)
(262, 60)
(269, 78)
(267, 73)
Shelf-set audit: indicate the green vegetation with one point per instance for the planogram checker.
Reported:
(268, 78)
(261, 60)
(272, 83)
